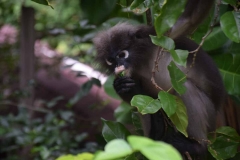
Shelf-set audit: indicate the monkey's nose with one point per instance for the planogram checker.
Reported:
(119, 69)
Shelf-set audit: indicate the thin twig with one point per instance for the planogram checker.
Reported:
(155, 68)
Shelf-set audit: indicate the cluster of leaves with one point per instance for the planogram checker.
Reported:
(122, 145)
(42, 138)
(225, 144)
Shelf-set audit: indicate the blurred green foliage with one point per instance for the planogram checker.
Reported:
(41, 138)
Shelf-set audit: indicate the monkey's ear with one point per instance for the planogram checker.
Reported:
(144, 32)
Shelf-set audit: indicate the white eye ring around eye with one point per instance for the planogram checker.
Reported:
(125, 52)
(109, 63)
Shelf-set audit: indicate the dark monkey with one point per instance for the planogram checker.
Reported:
(129, 48)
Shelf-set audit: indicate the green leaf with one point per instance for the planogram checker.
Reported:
(66, 157)
(168, 101)
(153, 149)
(140, 9)
(96, 11)
(84, 156)
(84, 90)
(137, 122)
(138, 142)
(164, 42)
(180, 118)
(232, 2)
(223, 148)
(146, 104)
(108, 87)
(113, 130)
(123, 2)
(44, 2)
(178, 78)
(54, 101)
(141, 6)
(123, 113)
(236, 157)
(131, 157)
(233, 48)
(135, 4)
(215, 40)
(66, 115)
(228, 131)
(168, 16)
(115, 149)
(229, 65)
(230, 23)
(180, 56)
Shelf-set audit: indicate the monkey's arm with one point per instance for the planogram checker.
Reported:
(195, 12)
(126, 88)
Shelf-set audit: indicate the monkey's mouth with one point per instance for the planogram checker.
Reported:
(119, 69)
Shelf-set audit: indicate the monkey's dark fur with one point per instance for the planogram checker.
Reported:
(205, 91)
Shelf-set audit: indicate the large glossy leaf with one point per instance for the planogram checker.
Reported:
(229, 65)
(169, 103)
(153, 149)
(180, 56)
(168, 16)
(114, 150)
(96, 11)
(178, 78)
(180, 118)
(85, 156)
(228, 47)
(114, 130)
(228, 131)
(230, 23)
(233, 48)
(146, 104)
(215, 40)
(223, 148)
(123, 113)
(164, 42)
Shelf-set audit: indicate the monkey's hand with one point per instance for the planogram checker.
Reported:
(123, 85)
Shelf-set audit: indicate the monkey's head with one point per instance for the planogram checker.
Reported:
(123, 46)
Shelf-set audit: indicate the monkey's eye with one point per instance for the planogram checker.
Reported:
(123, 54)
(109, 61)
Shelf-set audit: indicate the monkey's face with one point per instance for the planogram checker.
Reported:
(122, 47)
